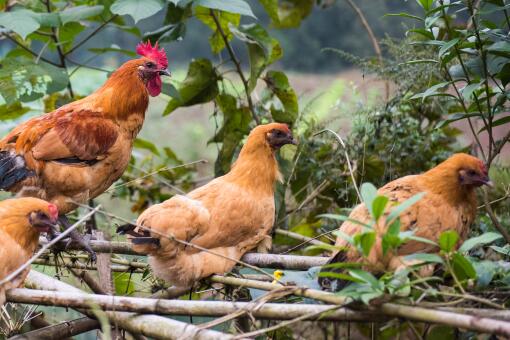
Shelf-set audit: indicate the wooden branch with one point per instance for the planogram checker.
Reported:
(88, 279)
(60, 331)
(104, 264)
(474, 323)
(274, 311)
(79, 265)
(291, 262)
(148, 325)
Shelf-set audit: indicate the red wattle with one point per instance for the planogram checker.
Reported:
(154, 86)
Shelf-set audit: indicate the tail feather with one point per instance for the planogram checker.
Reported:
(330, 283)
(12, 169)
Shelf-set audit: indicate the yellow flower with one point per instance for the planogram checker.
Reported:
(278, 274)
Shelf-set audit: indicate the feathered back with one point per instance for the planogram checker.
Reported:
(256, 167)
(14, 219)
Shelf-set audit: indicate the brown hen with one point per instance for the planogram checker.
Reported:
(23, 219)
(449, 203)
(229, 216)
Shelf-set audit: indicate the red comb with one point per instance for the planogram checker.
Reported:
(483, 168)
(53, 210)
(158, 56)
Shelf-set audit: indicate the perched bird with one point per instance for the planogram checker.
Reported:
(76, 152)
(229, 216)
(23, 219)
(449, 203)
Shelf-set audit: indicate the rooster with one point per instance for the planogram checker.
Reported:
(73, 154)
(23, 219)
(449, 203)
(229, 216)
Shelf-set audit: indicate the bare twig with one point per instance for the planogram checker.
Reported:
(49, 245)
(373, 39)
(237, 64)
(30, 51)
(300, 237)
(351, 171)
(493, 217)
(93, 33)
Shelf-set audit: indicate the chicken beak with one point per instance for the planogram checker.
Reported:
(293, 141)
(489, 183)
(164, 73)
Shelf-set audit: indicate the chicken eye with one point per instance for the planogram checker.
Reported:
(279, 133)
(150, 64)
(472, 173)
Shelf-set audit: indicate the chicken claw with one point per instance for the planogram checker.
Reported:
(74, 236)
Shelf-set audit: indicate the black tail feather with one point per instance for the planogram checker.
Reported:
(125, 229)
(330, 283)
(145, 240)
(12, 169)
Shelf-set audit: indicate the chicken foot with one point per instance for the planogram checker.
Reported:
(74, 236)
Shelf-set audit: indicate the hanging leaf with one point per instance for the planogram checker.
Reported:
(136, 9)
(479, 241)
(225, 19)
(199, 86)
(263, 50)
(232, 6)
(141, 143)
(289, 13)
(79, 13)
(22, 21)
(278, 83)
(462, 267)
(236, 121)
(12, 111)
(21, 79)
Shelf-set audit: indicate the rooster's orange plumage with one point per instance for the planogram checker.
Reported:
(76, 152)
(229, 216)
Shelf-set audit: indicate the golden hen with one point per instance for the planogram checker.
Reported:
(449, 203)
(23, 219)
(229, 216)
(76, 152)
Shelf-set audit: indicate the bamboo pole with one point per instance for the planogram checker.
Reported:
(291, 262)
(274, 311)
(149, 325)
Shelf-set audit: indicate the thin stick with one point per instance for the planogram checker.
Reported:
(237, 64)
(100, 27)
(300, 237)
(493, 217)
(201, 161)
(62, 330)
(27, 264)
(351, 171)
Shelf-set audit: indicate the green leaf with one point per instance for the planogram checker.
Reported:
(483, 239)
(225, 19)
(426, 4)
(263, 50)
(468, 90)
(339, 276)
(404, 15)
(368, 193)
(232, 6)
(13, 111)
(21, 79)
(22, 21)
(399, 209)
(199, 86)
(462, 267)
(448, 240)
(236, 122)
(378, 206)
(123, 283)
(140, 143)
(432, 91)
(428, 258)
(136, 9)
(79, 12)
(365, 277)
(344, 218)
(446, 47)
(170, 90)
(502, 250)
(365, 241)
(287, 14)
(278, 83)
